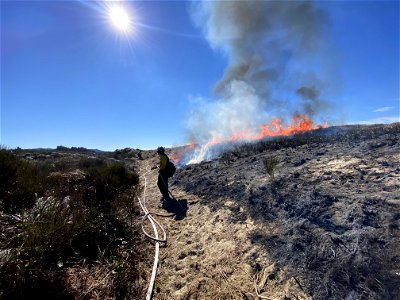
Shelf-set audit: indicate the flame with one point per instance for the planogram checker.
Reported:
(177, 155)
(298, 124)
(191, 145)
(174, 158)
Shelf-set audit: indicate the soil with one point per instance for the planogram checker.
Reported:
(324, 224)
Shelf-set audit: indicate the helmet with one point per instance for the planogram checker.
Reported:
(160, 150)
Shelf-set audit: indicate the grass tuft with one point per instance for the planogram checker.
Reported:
(56, 216)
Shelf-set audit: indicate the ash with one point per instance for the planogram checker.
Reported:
(325, 221)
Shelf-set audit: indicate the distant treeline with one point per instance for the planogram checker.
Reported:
(76, 149)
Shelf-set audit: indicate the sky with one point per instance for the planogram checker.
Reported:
(184, 70)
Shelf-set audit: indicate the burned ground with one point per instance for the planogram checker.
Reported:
(328, 220)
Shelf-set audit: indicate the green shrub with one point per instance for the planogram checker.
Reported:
(90, 163)
(8, 167)
(270, 165)
(62, 165)
(58, 235)
(66, 217)
(112, 180)
(51, 228)
(20, 182)
(117, 177)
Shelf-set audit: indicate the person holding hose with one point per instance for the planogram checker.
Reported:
(162, 181)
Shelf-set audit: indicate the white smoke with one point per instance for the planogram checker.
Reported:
(216, 121)
(239, 109)
(273, 48)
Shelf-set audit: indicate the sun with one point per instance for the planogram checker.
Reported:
(120, 18)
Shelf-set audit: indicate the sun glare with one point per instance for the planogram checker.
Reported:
(120, 18)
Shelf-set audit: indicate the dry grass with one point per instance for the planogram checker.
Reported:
(78, 236)
(330, 227)
(91, 281)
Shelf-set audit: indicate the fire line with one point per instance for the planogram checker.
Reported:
(299, 124)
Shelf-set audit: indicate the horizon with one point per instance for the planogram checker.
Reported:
(188, 145)
(79, 74)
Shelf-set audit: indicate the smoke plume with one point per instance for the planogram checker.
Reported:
(275, 52)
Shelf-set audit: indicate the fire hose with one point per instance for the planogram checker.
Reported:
(154, 223)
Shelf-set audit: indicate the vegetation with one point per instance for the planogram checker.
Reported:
(59, 226)
(328, 227)
(343, 134)
(270, 165)
(20, 182)
(355, 252)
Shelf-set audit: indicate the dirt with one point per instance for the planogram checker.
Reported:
(325, 226)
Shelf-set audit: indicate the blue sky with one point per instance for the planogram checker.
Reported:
(69, 77)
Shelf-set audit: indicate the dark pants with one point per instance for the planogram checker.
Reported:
(162, 184)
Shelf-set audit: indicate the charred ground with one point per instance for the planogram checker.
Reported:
(327, 214)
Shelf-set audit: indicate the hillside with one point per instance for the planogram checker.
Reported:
(325, 225)
(311, 216)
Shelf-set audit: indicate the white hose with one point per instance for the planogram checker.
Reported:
(154, 222)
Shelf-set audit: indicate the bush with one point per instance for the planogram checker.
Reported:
(91, 163)
(20, 182)
(117, 177)
(112, 180)
(57, 236)
(270, 165)
(50, 229)
(66, 218)
(8, 167)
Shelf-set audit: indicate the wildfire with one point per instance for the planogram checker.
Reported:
(174, 158)
(180, 152)
(299, 124)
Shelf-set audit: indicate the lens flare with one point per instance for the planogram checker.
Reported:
(120, 18)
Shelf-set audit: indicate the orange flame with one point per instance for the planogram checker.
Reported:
(174, 158)
(299, 124)
(180, 152)
(191, 145)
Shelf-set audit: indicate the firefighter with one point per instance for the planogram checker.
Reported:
(162, 181)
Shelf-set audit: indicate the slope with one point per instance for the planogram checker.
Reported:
(324, 226)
